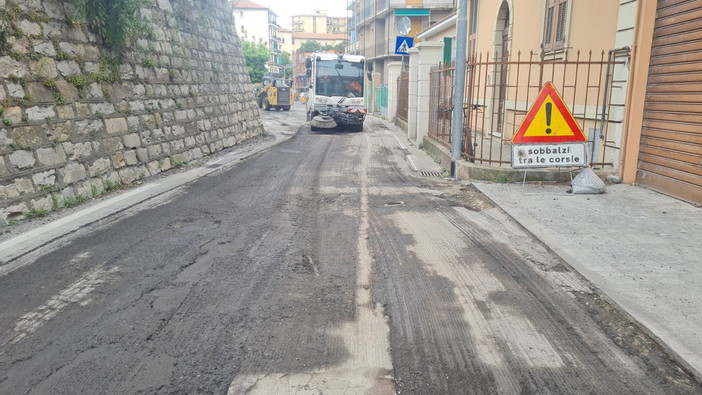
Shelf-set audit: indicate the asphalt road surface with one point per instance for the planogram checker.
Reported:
(323, 265)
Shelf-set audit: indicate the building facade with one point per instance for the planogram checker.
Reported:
(372, 32)
(628, 70)
(286, 39)
(663, 141)
(324, 39)
(318, 22)
(259, 24)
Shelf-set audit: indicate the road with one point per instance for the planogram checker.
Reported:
(323, 265)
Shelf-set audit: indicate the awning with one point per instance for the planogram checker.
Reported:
(412, 12)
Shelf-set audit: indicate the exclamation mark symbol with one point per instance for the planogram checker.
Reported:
(548, 117)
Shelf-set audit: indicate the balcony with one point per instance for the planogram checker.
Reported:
(381, 6)
(440, 4)
(383, 48)
(354, 20)
(421, 4)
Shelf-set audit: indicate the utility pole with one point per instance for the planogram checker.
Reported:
(460, 83)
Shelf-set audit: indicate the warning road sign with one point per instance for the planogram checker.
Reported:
(548, 121)
(572, 154)
(403, 45)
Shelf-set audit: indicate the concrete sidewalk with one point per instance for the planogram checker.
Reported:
(641, 249)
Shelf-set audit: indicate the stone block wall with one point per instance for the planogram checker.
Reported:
(77, 119)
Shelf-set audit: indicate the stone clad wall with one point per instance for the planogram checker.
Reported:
(77, 120)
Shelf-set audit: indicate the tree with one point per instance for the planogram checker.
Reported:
(256, 56)
(310, 46)
(340, 47)
(286, 61)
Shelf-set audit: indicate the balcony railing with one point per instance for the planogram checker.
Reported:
(439, 4)
(381, 48)
(367, 10)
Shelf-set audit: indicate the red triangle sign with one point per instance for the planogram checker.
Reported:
(548, 121)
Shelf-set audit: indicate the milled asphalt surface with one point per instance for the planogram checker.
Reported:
(641, 249)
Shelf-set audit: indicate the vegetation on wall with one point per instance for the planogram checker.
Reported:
(4, 44)
(8, 13)
(116, 21)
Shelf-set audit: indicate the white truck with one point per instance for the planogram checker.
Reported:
(336, 91)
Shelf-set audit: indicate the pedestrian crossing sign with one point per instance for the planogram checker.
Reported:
(403, 45)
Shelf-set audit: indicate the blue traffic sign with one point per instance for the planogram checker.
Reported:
(403, 45)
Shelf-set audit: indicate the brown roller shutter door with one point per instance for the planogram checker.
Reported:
(670, 159)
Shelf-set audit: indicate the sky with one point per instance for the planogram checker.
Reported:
(287, 8)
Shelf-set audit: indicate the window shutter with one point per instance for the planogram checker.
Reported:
(561, 24)
(473, 26)
(555, 20)
(548, 26)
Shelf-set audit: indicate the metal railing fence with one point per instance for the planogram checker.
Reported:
(402, 96)
(500, 91)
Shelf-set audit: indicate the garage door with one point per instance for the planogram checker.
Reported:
(671, 143)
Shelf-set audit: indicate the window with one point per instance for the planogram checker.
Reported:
(472, 28)
(555, 25)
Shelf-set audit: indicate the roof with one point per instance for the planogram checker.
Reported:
(319, 36)
(317, 13)
(449, 21)
(247, 4)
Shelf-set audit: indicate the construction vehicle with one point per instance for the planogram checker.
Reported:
(275, 93)
(336, 91)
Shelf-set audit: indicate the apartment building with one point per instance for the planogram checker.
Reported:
(372, 32)
(318, 22)
(259, 24)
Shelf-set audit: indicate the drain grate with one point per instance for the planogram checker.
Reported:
(431, 174)
(214, 165)
(393, 204)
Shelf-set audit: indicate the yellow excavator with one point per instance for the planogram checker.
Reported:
(275, 94)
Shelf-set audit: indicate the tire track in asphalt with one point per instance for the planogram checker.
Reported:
(76, 293)
(368, 368)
